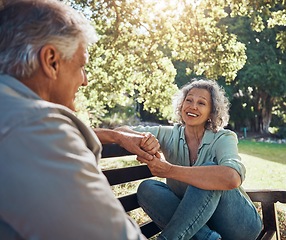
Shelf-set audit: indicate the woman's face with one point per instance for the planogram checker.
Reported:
(197, 107)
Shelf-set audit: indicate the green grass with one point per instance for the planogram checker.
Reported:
(265, 164)
(265, 169)
(269, 151)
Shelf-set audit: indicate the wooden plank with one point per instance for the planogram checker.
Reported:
(270, 218)
(268, 235)
(149, 229)
(114, 150)
(267, 195)
(268, 198)
(127, 174)
(129, 202)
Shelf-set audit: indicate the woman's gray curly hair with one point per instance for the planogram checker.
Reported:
(220, 104)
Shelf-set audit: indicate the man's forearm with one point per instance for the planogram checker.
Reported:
(107, 135)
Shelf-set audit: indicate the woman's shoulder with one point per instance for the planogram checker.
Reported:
(225, 134)
(224, 131)
(173, 129)
(220, 134)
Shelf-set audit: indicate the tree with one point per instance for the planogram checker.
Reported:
(262, 81)
(139, 40)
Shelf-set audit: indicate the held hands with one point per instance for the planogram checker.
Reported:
(149, 143)
(146, 147)
(143, 145)
(158, 166)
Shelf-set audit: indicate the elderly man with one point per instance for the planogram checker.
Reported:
(51, 186)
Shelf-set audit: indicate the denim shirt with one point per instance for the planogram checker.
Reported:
(219, 148)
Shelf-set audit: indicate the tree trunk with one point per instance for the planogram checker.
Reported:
(266, 113)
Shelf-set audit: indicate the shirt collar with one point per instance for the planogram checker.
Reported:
(20, 88)
(207, 138)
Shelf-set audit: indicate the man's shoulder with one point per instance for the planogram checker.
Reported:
(21, 112)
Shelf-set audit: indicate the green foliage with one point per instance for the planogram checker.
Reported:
(139, 40)
(261, 83)
(127, 63)
(119, 116)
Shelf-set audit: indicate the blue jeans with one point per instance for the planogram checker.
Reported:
(200, 214)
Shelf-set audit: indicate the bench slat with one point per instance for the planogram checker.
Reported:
(129, 202)
(127, 174)
(114, 150)
(267, 195)
(267, 236)
(149, 229)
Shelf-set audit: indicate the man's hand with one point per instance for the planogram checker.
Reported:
(131, 141)
(143, 145)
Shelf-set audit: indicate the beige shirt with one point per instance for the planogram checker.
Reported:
(51, 186)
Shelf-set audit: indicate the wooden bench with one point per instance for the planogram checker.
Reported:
(267, 198)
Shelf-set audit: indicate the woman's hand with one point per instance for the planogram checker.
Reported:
(158, 166)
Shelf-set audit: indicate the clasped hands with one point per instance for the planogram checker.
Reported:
(146, 146)
(158, 165)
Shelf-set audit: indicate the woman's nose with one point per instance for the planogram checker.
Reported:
(194, 106)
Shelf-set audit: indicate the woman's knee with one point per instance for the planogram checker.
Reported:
(148, 188)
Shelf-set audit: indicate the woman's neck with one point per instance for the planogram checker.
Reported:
(194, 137)
(194, 134)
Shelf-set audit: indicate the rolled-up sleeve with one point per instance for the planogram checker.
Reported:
(226, 153)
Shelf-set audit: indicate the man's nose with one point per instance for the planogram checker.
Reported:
(85, 81)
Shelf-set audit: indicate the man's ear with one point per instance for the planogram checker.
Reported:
(49, 61)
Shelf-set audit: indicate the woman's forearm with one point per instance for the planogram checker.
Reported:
(207, 177)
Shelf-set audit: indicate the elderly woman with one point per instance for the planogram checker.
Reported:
(202, 198)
